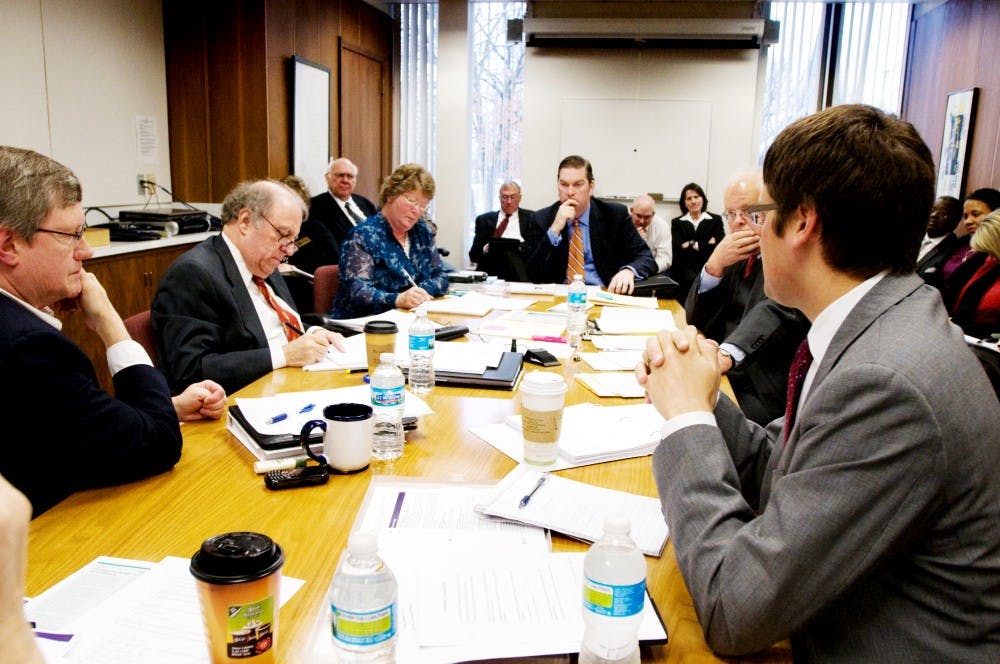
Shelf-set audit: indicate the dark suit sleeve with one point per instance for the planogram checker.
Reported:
(97, 440)
(703, 310)
(317, 246)
(627, 245)
(767, 323)
(484, 231)
(546, 264)
(200, 331)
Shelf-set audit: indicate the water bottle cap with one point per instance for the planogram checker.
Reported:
(387, 357)
(617, 524)
(362, 544)
(577, 276)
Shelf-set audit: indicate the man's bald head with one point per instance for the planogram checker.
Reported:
(742, 190)
(643, 209)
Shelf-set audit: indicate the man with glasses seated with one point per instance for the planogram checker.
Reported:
(503, 237)
(757, 337)
(222, 310)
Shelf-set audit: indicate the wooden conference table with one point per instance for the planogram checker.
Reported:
(213, 490)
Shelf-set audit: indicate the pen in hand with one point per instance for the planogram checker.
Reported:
(410, 278)
(538, 485)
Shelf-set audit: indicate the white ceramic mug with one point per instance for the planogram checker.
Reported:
(347, 438)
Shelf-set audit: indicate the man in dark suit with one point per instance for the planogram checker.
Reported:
(757, 337)
(940, 242)
(510, 222)
(611, 252)
(222, 310)
(864, 524)
(332, 215)
(62, 432)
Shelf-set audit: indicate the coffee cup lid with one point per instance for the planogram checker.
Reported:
(236, 558)
(380, 327)
(543, 382)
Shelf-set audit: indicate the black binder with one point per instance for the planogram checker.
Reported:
(503, 377)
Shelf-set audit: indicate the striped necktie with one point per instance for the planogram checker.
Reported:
(575, 263)
(349, 206)
(289, 321)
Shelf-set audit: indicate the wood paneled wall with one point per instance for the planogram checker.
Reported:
(228, 85)
(956, 46)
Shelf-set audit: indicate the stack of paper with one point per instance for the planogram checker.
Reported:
(470, 304)
(623, 320)
(612, 384)
(402, 319)
(575, 508)
(524, 325)
(614, 299)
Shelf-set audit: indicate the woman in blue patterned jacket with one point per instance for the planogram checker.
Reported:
(390, 259)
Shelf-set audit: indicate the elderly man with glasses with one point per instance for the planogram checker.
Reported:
(223, 311)
(757, 337)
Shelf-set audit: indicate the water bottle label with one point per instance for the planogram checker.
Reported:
(387, 396)
(363, 628)
(577, 298)
(615, 601)
(422, 342)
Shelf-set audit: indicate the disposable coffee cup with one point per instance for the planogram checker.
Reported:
(239, 582)
(542, 397)
(380, 337)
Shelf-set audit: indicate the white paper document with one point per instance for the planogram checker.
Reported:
(605, 298)
(575, 508)
(524, 325)
(470, 304)
(623, 360)
(612, 384)
(624, 320)
(619, 341)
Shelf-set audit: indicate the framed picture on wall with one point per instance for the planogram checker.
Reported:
(959, 119)
(310, 121)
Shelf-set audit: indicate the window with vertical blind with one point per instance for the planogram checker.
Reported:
(418, 83)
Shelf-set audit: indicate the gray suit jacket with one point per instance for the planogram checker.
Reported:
(878, 535)
(205, 322)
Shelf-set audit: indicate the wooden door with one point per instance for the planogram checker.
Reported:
(363, 109)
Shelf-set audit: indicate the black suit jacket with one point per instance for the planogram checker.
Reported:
(324, 230)
(767, 332)
(929, 267)
(499, 264)
(205, 322)
(614, 243)
(62, 432)
(688, 261)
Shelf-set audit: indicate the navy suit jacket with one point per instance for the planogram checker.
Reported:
(486, 224)
(767, 332)
(324, 231)
(205, 322)
(929, 267)
(62, 432)
(614, 243)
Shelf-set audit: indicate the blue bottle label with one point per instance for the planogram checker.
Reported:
(577, 298)
(615, 601)
(387, 396)
(368, 628)
(422, 342)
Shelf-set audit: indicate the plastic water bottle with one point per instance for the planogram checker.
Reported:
(614, 590)
(363, 610)
(421, 353)
(387, 385)
(576, 319)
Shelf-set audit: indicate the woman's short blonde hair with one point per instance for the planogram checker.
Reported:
(406, 178)
(987, 236)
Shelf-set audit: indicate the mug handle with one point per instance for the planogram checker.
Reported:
(304, 439)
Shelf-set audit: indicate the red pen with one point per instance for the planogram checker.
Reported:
(555, 340)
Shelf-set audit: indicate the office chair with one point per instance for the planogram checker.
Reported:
(141, 329)
(326, 281)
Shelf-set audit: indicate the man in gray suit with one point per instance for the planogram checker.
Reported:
(222, 310)
(865, 523)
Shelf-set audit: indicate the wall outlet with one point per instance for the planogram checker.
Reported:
(145, 184)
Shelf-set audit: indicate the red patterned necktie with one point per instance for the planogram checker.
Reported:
(796, 376)
(748, 268)
(501, 227)
(288, 320)
(575, 263)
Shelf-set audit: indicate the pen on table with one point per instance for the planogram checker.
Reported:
(294, 329)
(409, 278)
(538, 485)
(307, 408)
(274, 419)
(555, 340)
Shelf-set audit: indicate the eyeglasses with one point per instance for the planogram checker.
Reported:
(509, 197)
(755, 214)
(286, 242)
(414, 204)
(77, 236)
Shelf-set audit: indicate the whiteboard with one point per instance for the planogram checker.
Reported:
(639, 146)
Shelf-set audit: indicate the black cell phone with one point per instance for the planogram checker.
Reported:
(293, 477)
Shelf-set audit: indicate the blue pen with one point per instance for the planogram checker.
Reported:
(307, 408)
(277, 418)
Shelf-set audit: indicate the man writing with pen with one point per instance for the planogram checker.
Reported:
(223, 311)
(390, 260)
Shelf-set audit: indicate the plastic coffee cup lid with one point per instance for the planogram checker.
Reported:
(541, 382)
(236, 558)
(380, 327)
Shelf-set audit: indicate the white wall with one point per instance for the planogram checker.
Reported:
(726, 79)
(75, 74)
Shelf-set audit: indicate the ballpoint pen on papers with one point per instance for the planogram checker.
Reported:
(274, 419)
(409, 278)
(294, 329)
(538, 485)
(307, 408)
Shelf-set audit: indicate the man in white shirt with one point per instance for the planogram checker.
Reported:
(222, 310)
(510, 222)
(864, 525)
(652, 228)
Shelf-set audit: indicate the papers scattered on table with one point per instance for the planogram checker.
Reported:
(120, 611)
(623, 320)
(612, 384)
(402, 319)
(621, 360)
(619, 341)
(470, 304)
(461, 357)
(526, 288)
(354, 357)
(575, 508)
(524, 325)
(614, 299)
